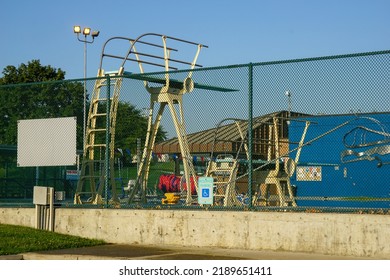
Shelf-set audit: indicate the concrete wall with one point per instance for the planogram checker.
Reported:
(18, 216)
(325, 233)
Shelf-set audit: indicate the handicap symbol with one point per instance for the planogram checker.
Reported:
(205, 193)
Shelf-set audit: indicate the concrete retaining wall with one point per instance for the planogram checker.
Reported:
(324, 233)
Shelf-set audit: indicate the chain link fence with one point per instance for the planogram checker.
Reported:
(298, 135)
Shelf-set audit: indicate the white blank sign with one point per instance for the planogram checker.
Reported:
(47, 142)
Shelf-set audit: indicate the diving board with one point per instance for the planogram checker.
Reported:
(179, 84)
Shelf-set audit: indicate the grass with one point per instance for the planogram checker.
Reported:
(19, 239)
(155, 171)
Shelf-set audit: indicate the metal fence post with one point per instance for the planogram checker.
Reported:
(107, 156)
(250, 128)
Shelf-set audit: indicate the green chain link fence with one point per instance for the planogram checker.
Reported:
(306, 135)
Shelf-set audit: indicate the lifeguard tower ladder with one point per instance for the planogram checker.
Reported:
(93, 173)
(223, 168)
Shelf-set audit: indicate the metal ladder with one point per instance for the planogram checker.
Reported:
(91, 183)
(224, 172)
(223, 169)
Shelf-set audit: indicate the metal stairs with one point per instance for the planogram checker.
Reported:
(93, 169)
(224, 172)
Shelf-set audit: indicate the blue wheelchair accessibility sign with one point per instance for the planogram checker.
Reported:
(205, 185)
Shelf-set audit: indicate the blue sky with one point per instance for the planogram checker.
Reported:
(236, 31)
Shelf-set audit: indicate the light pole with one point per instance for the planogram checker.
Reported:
(288, 94)
(86, 32)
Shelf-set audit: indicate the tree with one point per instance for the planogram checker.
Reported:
(131, 125)
(33, 91)
(30, 73)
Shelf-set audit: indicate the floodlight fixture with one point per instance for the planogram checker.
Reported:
(77, 29)
(86, 31)
(95, 34)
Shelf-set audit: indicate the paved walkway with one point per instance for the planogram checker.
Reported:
(129, 252)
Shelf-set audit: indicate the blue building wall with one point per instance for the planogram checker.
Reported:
(325, 178)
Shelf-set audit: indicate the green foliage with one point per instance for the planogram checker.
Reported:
(19, 239)
(34, 91)
(32, 72)
(131, 124)
(19, 100)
